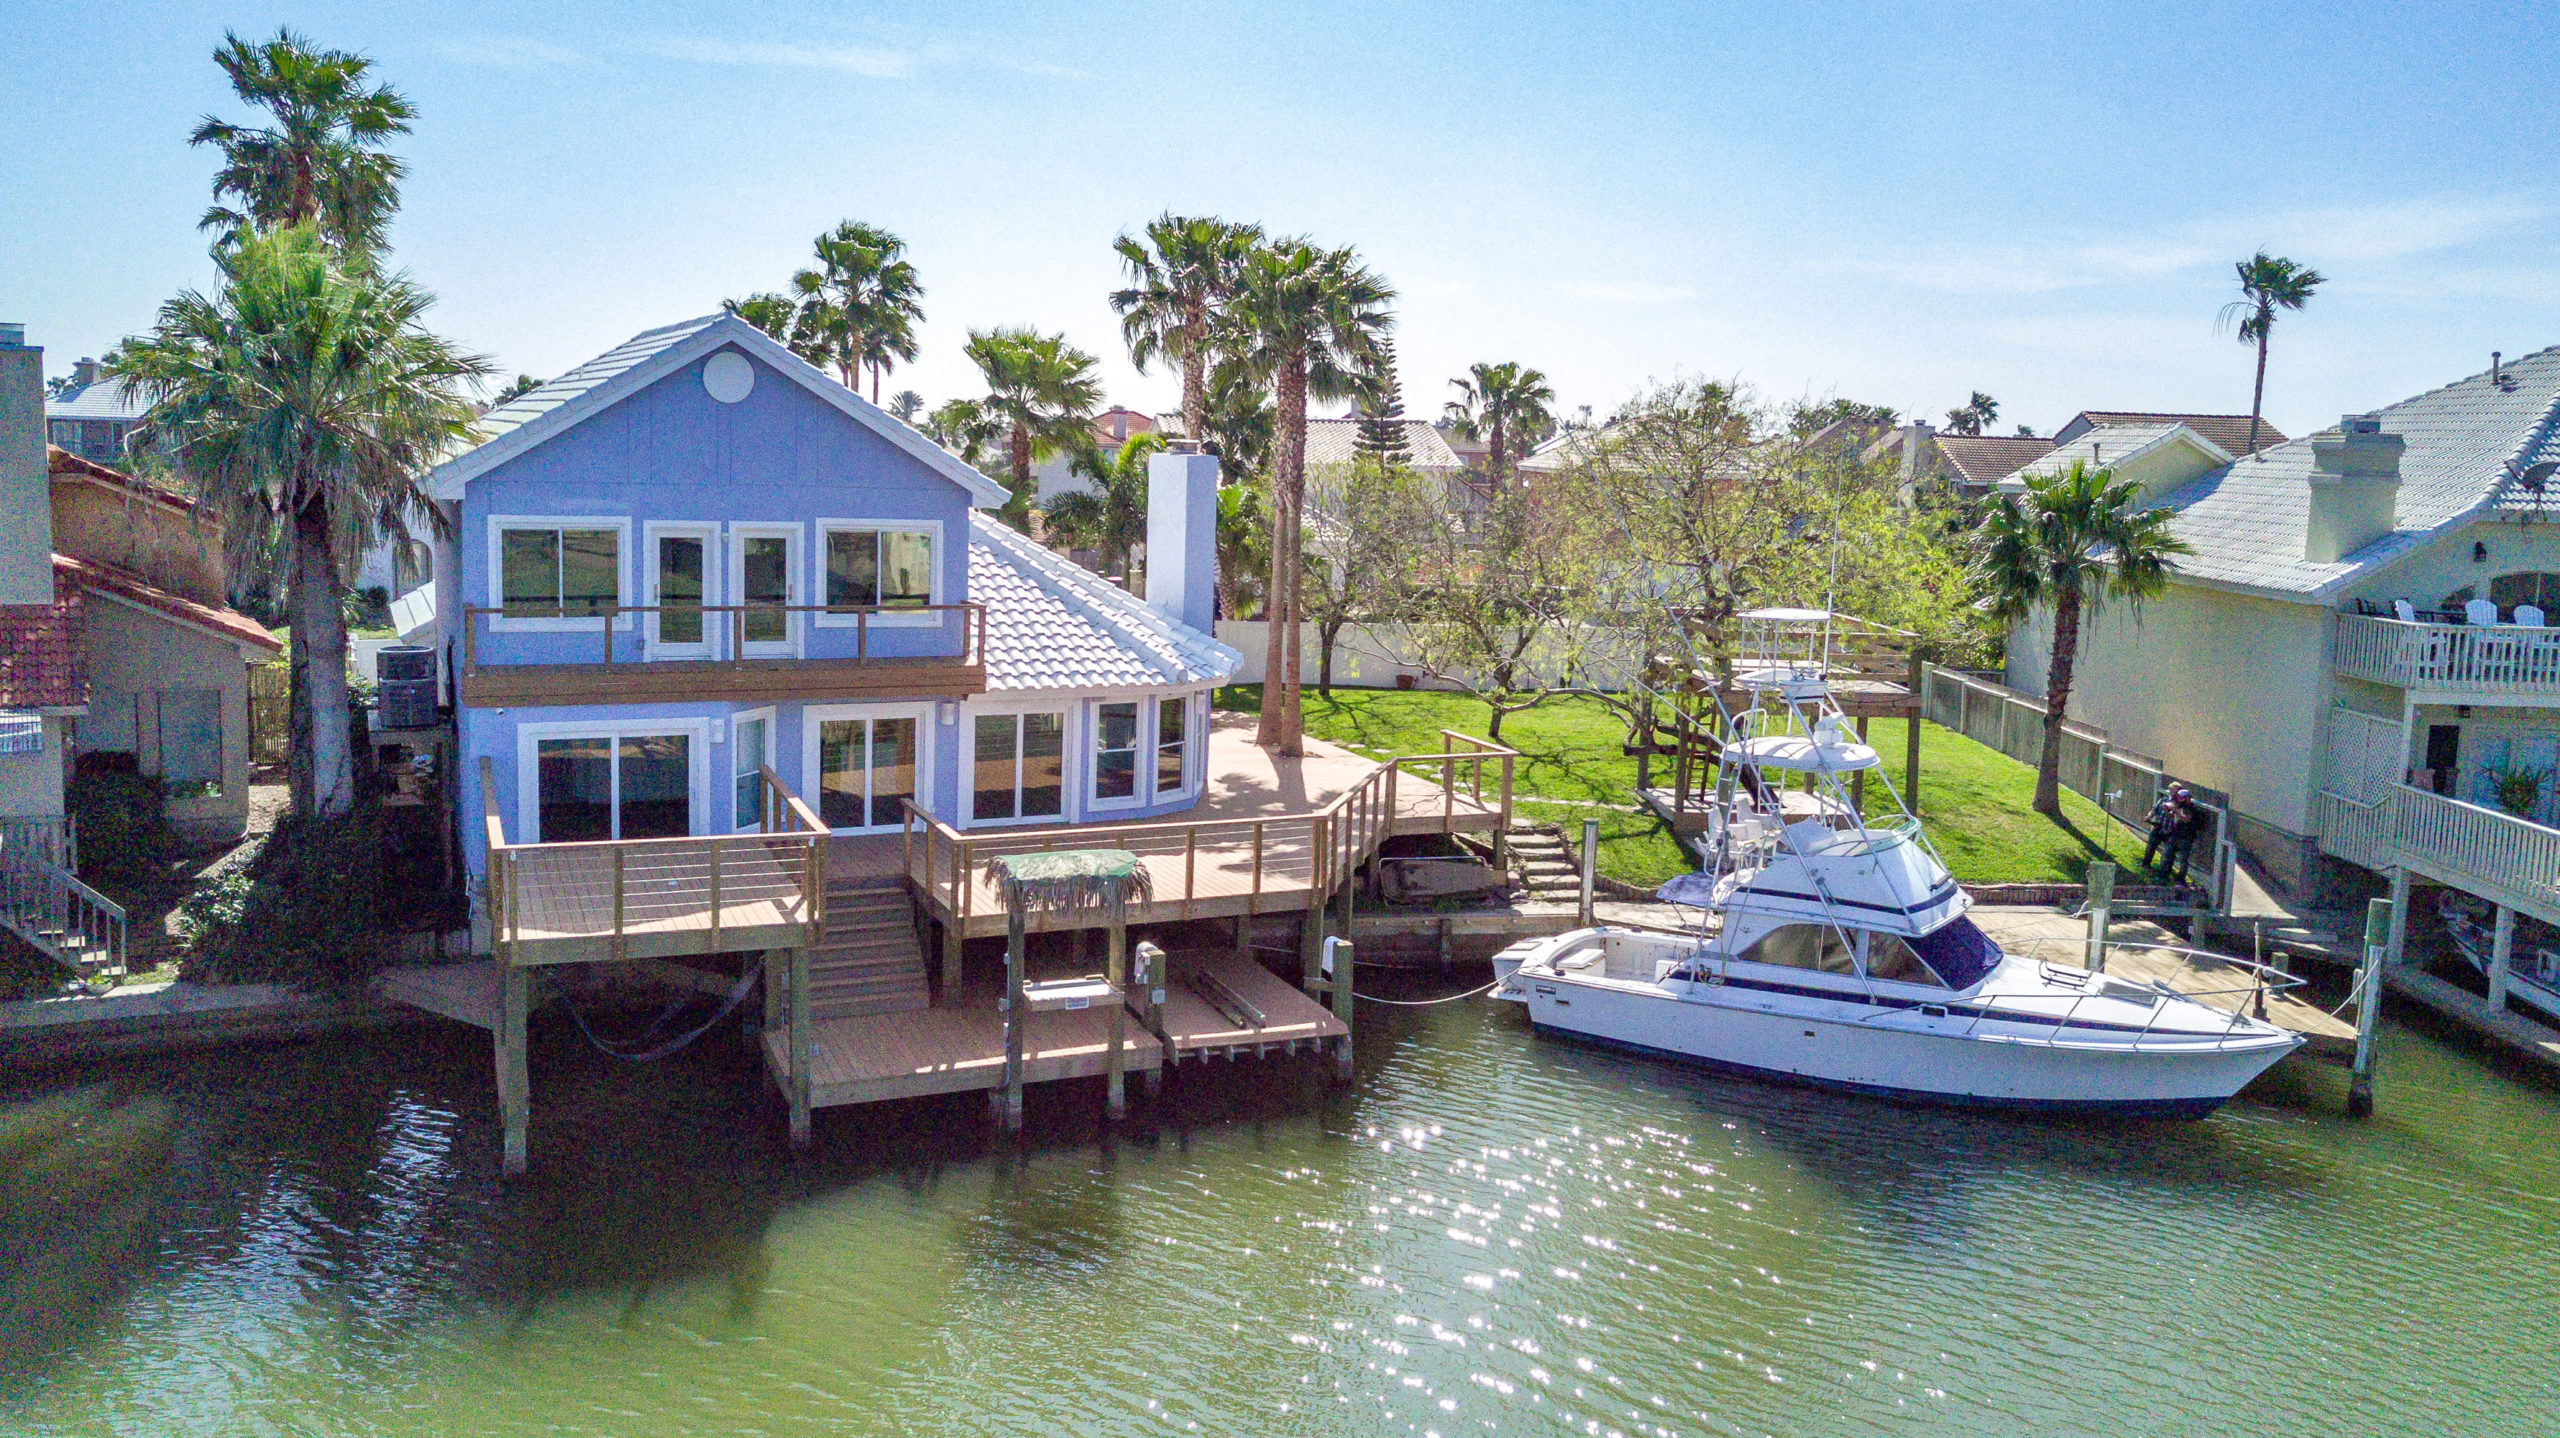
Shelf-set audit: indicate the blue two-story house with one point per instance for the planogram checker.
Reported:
(697, 556)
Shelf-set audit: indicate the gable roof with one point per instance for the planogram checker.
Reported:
(41, 664)
(2117, 445)
(229, 625)
(60, 463)
(1053, 624)
(2467, 445)
(1990, 458)
(560, 404)
(1337, 441)
(115, 399)
(2229, 431)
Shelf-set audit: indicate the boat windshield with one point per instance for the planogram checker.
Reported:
(1960, 953)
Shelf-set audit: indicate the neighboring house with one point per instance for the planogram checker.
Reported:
(1968, 464)
(1056, 475)
(117, 632)
(2327, 657)
(2158, 457)
(94, 420)
(2229, 432)
(785, 575)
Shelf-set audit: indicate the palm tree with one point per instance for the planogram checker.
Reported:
(1112, 516)
(1244, 548)
(860, 304)
(307, 401)
(1309, 319)
(1505, 405)
(1239, 423)
(2077, 538)
(1043, 391)
(906, 404)
(775, 315)
(2267, 283)
(522, 384)
(1974, 415)
(321, 160)
(1179, 279)
(963, 427)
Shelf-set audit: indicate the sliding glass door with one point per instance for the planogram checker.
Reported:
(628, 786)
(868, 761)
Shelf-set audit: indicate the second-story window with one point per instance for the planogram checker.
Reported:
(875, 567)
(558, 571)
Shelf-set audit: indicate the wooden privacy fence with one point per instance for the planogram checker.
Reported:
(1200, 867)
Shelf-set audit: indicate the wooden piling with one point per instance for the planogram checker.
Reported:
(515, 1085)
(1590, 868)
(1338, 960)
(800, 1044)
(2502, 947)
(1115, 972)
(1011, 1005)
(2381, 921)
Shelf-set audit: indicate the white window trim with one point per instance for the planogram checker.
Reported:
(772, 738)
(714, 576)
(1195, 731)
(697, 733)
(499, 524)
(1141, 792)
(936, 589)
(734, 579)
(968, 767)
(814, 715)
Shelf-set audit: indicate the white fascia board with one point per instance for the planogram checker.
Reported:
(445, 482)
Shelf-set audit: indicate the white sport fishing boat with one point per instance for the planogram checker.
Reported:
(1835, 951)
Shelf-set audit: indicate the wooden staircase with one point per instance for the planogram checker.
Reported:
(45, 904)
(1548, 869)
(871, 961)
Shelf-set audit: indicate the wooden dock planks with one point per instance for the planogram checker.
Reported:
(878, 1057)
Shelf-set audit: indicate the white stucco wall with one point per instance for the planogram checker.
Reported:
(2427, 576)
(2226, 690)
(133, 657)
(31, 784)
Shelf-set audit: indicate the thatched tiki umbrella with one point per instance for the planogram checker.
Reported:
(1072, 881)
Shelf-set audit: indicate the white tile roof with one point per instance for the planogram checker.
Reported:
(1052, 624)
(107, 399)
(553, 393)
(1335, 441)
(2465, 442)
(2110, 445)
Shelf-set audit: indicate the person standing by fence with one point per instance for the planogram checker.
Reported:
(2185, 821)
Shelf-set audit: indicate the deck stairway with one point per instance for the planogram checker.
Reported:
(44, 903)
(1546, 865)
(870, 961)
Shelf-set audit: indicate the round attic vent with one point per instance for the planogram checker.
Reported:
(727, 377)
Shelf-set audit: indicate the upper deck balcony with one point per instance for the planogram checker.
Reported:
(2494, 659)
(745, 653)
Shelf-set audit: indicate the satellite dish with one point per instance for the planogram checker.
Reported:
(2537, 477)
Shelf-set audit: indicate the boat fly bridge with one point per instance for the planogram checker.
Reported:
(1833, 946)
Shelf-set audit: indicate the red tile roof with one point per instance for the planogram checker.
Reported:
(40, 655)
(229, 623)
(60, 461)
(2230, 431)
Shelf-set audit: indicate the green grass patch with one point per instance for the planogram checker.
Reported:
(1975, 800)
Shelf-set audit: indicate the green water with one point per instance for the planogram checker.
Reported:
(1486, 1233)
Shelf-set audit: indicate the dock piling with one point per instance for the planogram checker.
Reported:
(2381, 922)
(2102, 898)
(515, 1085)
(2502, 949)
(1337, 968)
(800, 1045)
(1011, 1004)
(1115, 973)
(1590, 867)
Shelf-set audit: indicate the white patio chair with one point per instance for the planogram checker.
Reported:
(2479, 611)
(2404, 611)
(2529, 615)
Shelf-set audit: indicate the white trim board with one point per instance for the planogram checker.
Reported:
(812, 716)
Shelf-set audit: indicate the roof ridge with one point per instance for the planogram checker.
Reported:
(1097, 598)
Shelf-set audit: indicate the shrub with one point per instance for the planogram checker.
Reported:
(305, 908)
(2520, 790)
(122, 822)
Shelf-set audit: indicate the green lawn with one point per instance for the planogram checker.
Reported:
(1974, 799)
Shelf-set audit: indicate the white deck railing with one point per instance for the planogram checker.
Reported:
(2465, 840)
(2493, 658)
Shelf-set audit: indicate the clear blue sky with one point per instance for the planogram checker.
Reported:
(1898, 204)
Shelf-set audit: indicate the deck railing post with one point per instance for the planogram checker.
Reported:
(1190, 866)
(617, 905)
(716, 847)
(1502, 831)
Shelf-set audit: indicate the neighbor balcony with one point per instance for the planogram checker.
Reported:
(738, 653)
(2471, 847)
(2486, 659)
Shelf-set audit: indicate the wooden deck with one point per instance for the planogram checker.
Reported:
(1270, 835)
(563, 909)
(960, 1048)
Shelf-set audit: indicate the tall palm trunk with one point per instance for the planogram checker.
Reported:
(1283, 728)
(2057, 698)
(324, 784)
(1493, 461)
(1018, 512)
(2258, 396)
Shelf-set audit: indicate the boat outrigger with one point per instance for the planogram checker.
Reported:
(1833, 946)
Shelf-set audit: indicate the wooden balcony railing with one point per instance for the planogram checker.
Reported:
(613, 899)
(559, 676)
(2487, 658)
(1200, 867)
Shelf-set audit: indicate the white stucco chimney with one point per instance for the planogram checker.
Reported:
(1182, 537)
(26, 494)
(2355, 488)
(84, 372)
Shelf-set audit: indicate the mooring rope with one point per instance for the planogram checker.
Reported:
(728, 1006)
(1425, 1003)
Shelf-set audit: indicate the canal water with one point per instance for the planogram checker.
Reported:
(1485, 1233)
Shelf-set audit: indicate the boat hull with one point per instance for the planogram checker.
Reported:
(1903, 1054)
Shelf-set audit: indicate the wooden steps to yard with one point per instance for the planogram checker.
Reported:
(870, 961)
